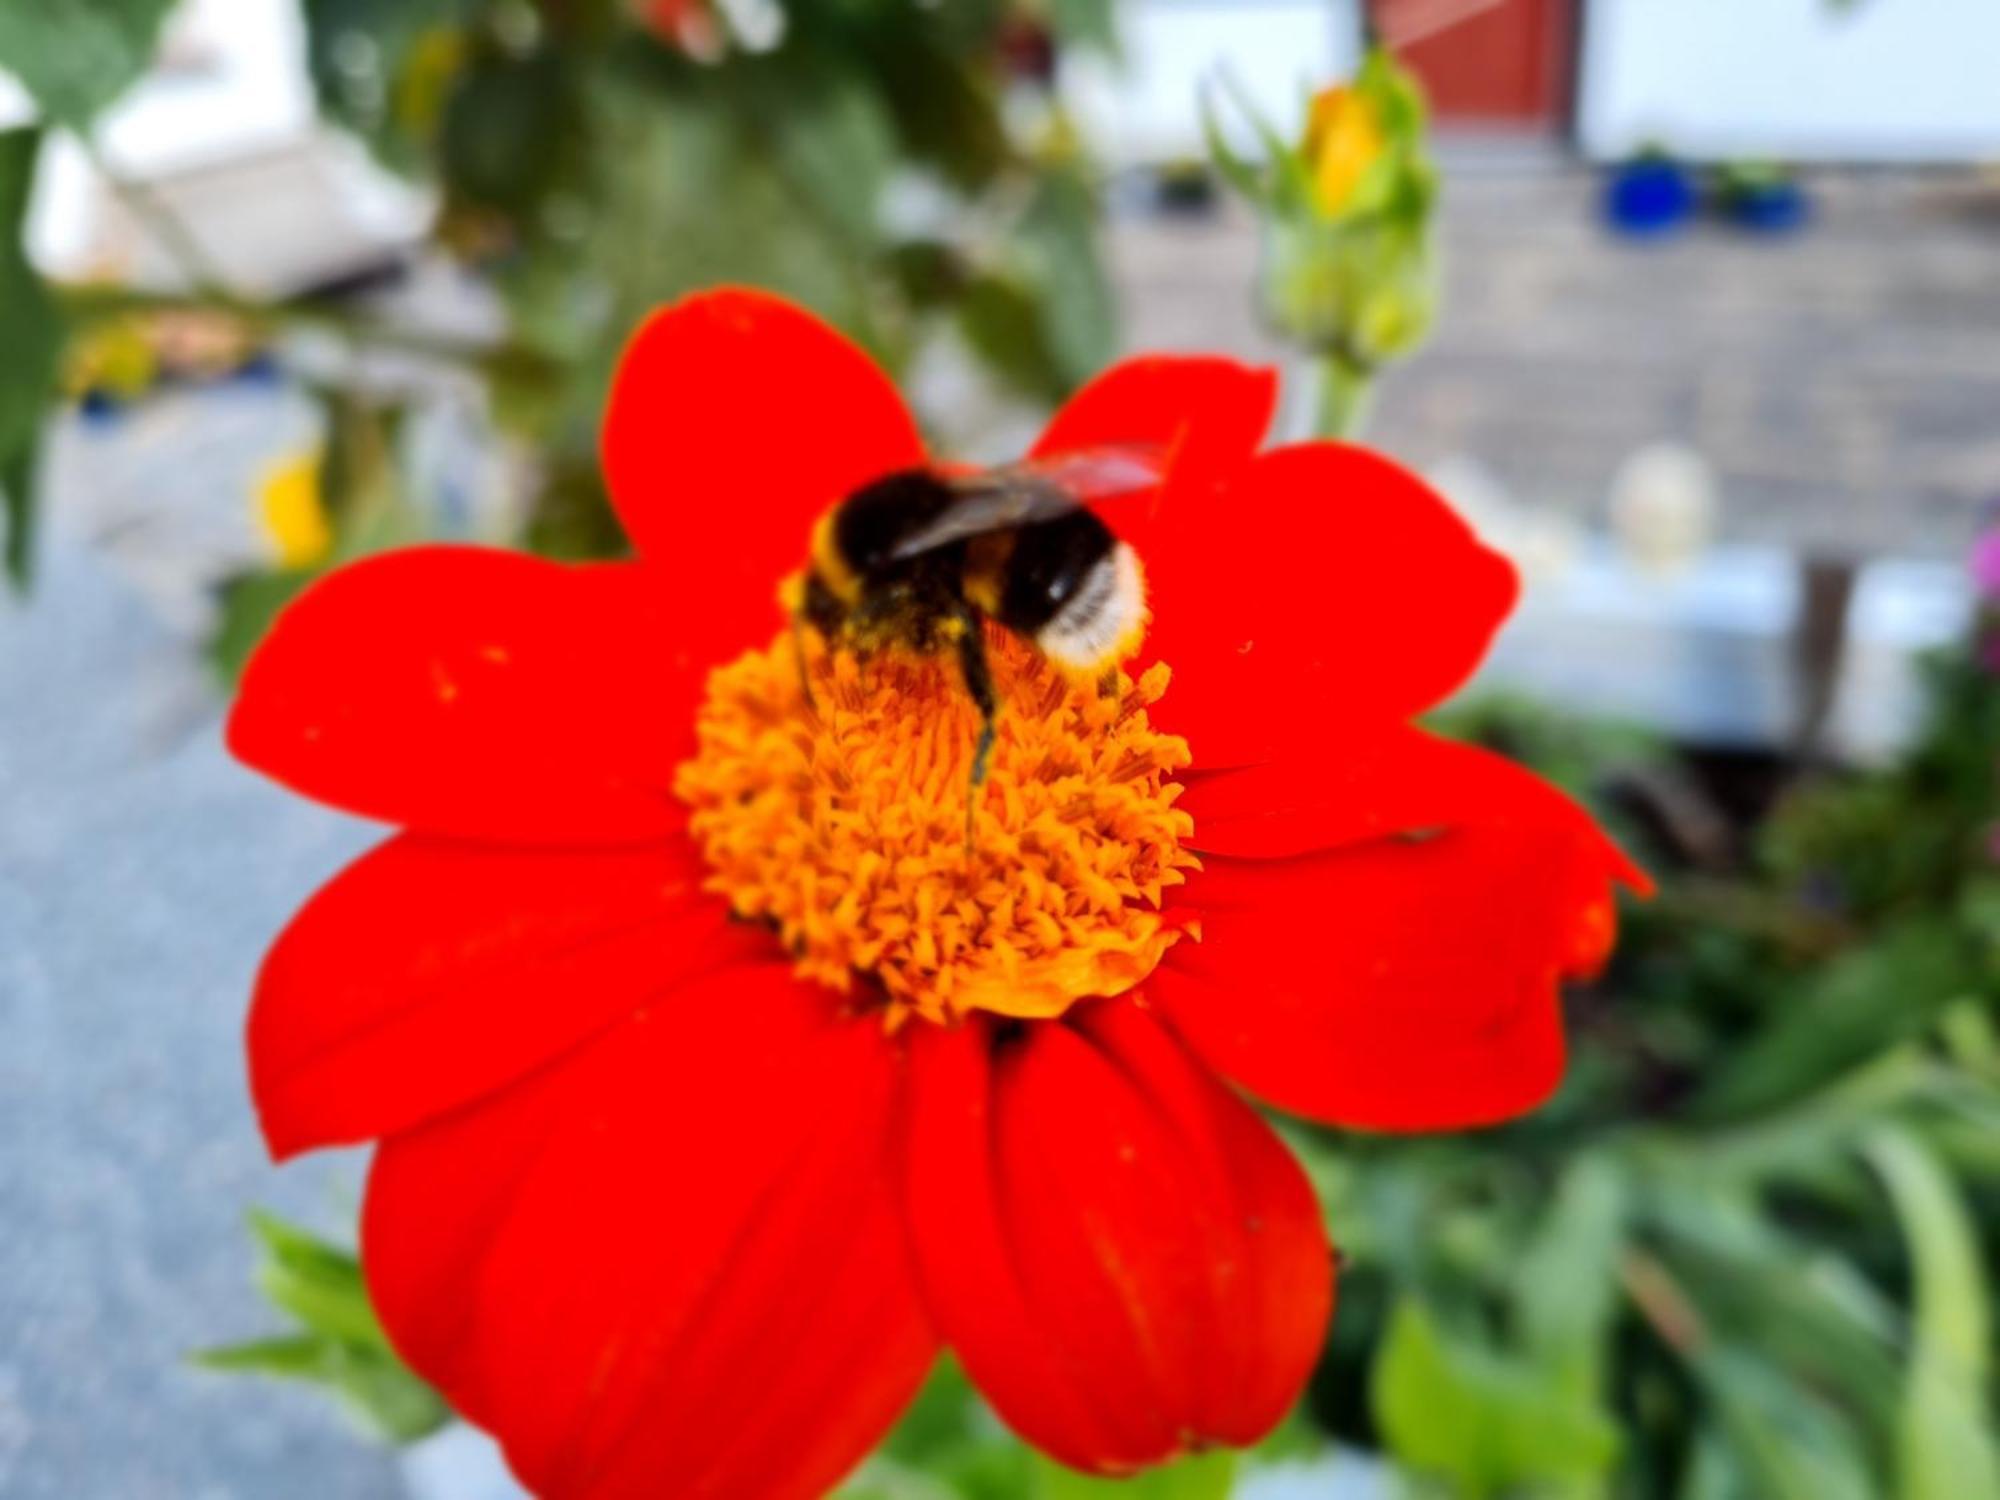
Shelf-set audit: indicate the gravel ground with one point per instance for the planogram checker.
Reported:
(141, 873)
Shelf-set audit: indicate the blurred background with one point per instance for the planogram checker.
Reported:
(1692, 306)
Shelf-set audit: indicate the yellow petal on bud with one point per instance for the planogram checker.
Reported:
(1343, 140)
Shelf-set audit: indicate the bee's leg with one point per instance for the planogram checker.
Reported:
(1107, 683)
(979, 683)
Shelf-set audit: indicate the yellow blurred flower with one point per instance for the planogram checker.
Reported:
(1343, 140)
(116, 359)
(291, 511)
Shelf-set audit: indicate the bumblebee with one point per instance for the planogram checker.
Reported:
(921, 560)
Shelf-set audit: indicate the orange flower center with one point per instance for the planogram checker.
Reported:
(840, 819)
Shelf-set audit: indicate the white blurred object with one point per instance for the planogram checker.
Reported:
(1542, 543)
(1910, 80)
(1664, 504)
(1143, 107)
(270, 222)
(224, 135)
(1707, 655)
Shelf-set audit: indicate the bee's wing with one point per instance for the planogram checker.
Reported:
(1022, 494)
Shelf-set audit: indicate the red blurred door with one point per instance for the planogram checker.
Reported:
(1499, 62)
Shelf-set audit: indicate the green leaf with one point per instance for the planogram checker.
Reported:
(1208, 1476)
(341, 1346)
(509, 127)
(1485, 1424)
(945, 1416)
(298, 1355)
(1002, 323)
(246, 606)
(835, 144)
(358, 51)
(316, 1282)
(1790, 1445)
(1285, 185)
(32, 336)
(1237, 172)
(947, 114)
(1946, 1448)
(1802, 1307)
(77, 56)
(1842, 1018)
(1566, 1291)
(389, 1401)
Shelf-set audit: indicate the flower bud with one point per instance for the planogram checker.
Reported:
(1348, 269)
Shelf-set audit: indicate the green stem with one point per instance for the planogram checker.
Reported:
(1345, 385)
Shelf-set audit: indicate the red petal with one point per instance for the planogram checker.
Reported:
(672, 1265)
(1328, 589)
(1403, 984)
(1374, 784)
(469, 691)
(1124, 1257)
(736, 418)
(431, 972)
(1208, 414)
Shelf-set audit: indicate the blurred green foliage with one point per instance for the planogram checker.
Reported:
(32, 337)
(75, 59)
(899, 166)
(337, 1344)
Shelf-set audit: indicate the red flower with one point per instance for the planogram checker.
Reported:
(688, 25)
(668, 1217)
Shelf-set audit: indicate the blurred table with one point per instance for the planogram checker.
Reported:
(1709, 654)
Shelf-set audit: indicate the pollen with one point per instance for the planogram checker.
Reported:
(839, 818)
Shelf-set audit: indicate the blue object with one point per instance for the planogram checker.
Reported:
(1649, 197)
(1775, 207)
(260, 369)
(99, 407)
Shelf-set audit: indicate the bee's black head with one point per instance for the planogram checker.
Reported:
(879, 516)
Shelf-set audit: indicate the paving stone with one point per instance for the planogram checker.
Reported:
(1845, 381)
